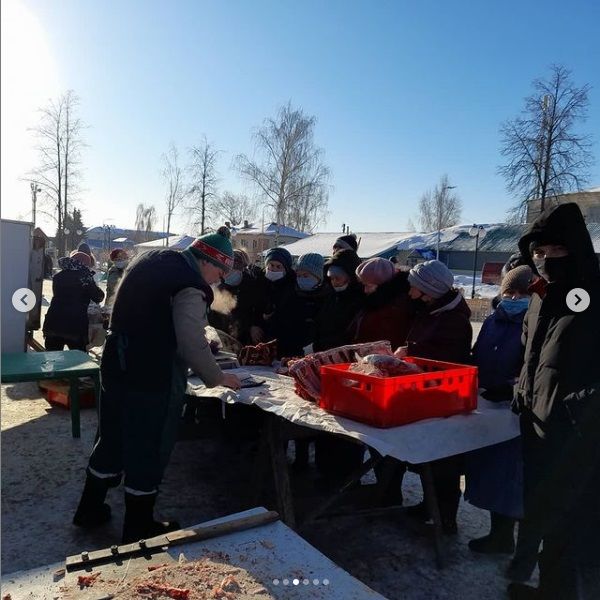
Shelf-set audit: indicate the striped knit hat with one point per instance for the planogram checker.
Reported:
(215, 248)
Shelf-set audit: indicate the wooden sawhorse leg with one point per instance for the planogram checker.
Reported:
(434, 510)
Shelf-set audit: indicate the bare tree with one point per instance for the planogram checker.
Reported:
(72, 146)
(59, 144)
(545, 154)
(202, 171)
(145, 217)
(439, 208)
(173, 175)
(410, 225)
(290, 174)
(234, 208)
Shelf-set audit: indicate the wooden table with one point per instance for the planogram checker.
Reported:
(37, 366)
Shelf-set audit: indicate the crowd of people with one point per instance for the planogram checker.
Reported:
(533, 353)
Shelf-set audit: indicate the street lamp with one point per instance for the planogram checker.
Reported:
(477, 231)
(439, 233)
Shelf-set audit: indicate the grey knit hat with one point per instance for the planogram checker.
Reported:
(313, 263)
(432, 278)
(517, 280)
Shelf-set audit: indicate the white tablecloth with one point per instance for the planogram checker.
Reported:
(415, 443)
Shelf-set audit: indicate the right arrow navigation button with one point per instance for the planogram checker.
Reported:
(578, 300)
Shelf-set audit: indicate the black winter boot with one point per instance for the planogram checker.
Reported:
(139, 521)
(92, 510)
(500, 539)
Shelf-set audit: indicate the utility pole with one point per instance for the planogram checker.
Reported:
(34, 192)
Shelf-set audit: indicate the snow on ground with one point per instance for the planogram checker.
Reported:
(482, 290)
(210, 475)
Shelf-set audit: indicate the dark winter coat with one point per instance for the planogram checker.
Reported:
(332, 325)
(309, 304)
(250, 301)
(562, 348)
(281, 319)
(558, 397)
(498, 353)
(387, 313)
(73, 289)
(442, 330)
(141, 346)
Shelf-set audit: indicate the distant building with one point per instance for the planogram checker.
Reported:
(370, 244)
(255, 240)
(104, 239)
(588, 201)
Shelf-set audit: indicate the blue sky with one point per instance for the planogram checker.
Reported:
(402, 91)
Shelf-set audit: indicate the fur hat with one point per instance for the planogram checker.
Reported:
(313, 263)
(346, 242)
(216, 248)
(280, 255)
(517, 280)
(375, 271)
(432, 278)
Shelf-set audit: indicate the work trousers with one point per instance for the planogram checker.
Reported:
(137, 432)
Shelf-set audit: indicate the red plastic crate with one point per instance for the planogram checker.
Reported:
(56, 392)
(444, 389)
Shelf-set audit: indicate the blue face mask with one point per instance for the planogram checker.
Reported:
(514, 307)
(307, 283)
(234, 278)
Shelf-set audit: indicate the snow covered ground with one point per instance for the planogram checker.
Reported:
(482, 290)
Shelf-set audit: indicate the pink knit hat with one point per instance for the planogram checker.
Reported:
(82, 257)
(375, 271)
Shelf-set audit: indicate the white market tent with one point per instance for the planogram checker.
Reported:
(371, 244)
(176, 242)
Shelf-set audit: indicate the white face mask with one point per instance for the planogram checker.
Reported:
(341, 288)
(274, 275)
(121, 264)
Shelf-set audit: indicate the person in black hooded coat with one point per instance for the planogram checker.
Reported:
(334, 319)
(558, 399)
(337, 458)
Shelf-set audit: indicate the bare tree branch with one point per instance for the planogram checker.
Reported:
(59, 145)
(545, 155)
(439, 208)
(290, 176)
(202, 182)
(173, 176)
(234, 208)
